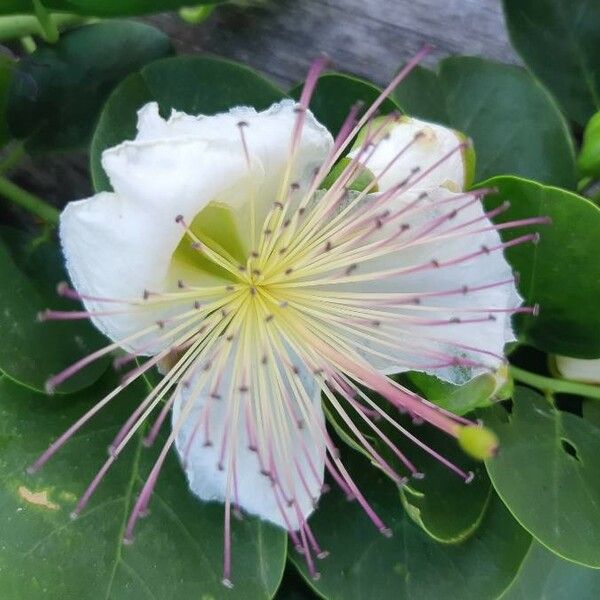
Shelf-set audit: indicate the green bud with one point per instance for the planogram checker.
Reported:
(478, 441)
(588, 160)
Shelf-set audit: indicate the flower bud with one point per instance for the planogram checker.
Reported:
(421, 145)
(478, 441)
(578, 369)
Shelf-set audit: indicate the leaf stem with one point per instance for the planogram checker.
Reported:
(28, 44)
(548, 384)
(18, 26)
(28, 201)
(49, 29)
(13, 156)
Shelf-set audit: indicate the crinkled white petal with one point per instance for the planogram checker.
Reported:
(117, 245)
(435, 142)
(267, 136)
(297, 454)
(482, 342)
(579, 369)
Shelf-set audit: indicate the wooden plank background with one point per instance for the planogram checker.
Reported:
(370, 38)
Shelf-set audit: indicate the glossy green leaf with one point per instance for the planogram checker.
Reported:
(441, 503)
(177, 552)
(6, 71)
(588, 160)
(560, 273)
(58, 91)
(545, 575)
(101, 8)
(514, 122)
(547, 475)
(558, 39)
(191, 84)
(459, 399)
(364, 564)
(335, 95)
(31, 351)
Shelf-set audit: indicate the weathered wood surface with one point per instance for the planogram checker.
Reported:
(370, 38)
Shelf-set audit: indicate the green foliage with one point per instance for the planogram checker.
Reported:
(459, 399)
(101, 8)
(6, 71)
(545, 575)
(527, 524)
(191, 84)
(515, 124)
(588, 160)
(558, 39)
(448, 509)
(547, 475)
(365, 564)
(335, 95)
(177, 552)
(559, 272)
(30, 351)
(57, 92)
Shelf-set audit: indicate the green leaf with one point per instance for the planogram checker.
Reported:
(459, 399)
(177, 552)
(560, 272)
(335, 95)
(57, 92)
(558, 39)
(6, 72)
(545, 575)
(364, 564)
(102, 8)
(591, 411)
(30, 351)
(442, 504)
(547, 475)
(191, 84)
(515, 124)
(446, 508)
(588, 160)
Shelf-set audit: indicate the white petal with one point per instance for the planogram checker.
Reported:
(579, 369)
(267, 135)
(434, 142)
(299, 453)
(117, 245)
(482, 342)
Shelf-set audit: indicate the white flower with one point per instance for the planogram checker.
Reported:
(579, 369)
(218, 256)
